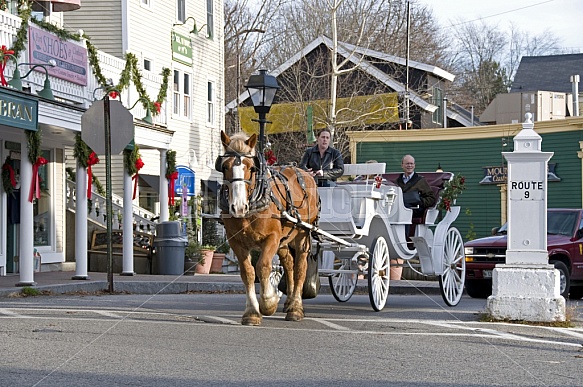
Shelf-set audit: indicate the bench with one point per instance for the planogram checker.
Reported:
(436, 181)
(143, 251)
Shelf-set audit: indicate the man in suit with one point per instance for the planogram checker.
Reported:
(417, 194)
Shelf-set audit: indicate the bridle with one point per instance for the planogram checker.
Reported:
(257, 186)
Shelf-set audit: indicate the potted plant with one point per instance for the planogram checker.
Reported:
(210, 242)
(221, 252)
(451, 190)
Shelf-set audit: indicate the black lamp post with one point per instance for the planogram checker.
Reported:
(262, 88)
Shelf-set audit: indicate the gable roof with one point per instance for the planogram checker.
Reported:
(549, 73)
(357, 55)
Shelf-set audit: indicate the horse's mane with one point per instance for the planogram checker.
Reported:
(238, 144)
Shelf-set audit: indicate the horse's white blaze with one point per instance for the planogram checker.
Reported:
(239, 203)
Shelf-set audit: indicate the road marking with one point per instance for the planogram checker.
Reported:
(8, 312)
(328, 324)
(219, 319)
(106, 313)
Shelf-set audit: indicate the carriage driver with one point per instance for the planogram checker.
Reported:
(322, 161)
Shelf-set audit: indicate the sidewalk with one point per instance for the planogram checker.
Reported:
(60, 282)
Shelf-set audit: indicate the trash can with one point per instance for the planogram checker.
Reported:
(170, 244)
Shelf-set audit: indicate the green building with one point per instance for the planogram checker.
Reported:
(476, 153)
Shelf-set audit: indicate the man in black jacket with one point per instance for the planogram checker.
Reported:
(417, 194)
(323, 162)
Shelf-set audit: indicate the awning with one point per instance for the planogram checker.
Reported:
(58, 5)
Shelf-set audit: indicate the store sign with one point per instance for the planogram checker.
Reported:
(17, 110)
(70, 58)
(185, 181)
(498, 174)
(181, 49)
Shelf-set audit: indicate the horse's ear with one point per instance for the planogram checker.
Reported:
(252, 141)
(225, 139)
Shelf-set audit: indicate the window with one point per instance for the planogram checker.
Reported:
(181, 94)
(437, 116)
(145, 3)
(181, 10)
(210, 113)
(209, 18)
(147, 65)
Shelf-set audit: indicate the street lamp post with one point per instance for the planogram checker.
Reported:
(262, 88)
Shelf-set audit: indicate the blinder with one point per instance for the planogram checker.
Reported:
(221, 159)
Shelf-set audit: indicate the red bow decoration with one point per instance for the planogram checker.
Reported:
(10, 170)
(113, 94)
(5, 53)
(378, 180)
(171, 178)
(35, 183)
(270, 157)
(92, 160)
(139, 164)
(158, 106)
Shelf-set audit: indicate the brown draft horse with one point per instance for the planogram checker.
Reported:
(253, 220)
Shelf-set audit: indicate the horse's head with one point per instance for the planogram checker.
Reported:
(238, 165)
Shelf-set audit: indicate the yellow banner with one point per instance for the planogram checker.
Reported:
(351, 112)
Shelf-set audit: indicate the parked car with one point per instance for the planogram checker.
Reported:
(564, 244)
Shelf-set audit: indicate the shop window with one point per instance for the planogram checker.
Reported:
(42, 207)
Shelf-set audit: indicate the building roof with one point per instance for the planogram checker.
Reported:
(357, 55)
(550, 73)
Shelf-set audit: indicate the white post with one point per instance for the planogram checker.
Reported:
(163, 189)
(527, 287)
(128, 228)
(26, 265)
(81, 184)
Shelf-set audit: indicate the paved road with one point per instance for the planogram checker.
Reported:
(196, 339)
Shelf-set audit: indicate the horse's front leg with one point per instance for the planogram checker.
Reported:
(251, 316)
(268, 297)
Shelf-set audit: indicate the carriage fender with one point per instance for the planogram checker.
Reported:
(439, 238)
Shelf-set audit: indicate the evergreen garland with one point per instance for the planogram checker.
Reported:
(129, 160)
(24, 11)
(33, 142)
(170, 163)
(81, 151)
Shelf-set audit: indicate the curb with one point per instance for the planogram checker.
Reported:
(159, 287)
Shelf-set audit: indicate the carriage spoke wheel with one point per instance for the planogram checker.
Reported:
(451, 282)
(378, 274)
(342, 285)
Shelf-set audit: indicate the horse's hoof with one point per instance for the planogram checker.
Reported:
(254, 321)
(268, 311)
(294, 316)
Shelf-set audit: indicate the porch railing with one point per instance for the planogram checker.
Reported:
(143, 219)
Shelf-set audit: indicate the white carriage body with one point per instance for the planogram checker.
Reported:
(354, 214)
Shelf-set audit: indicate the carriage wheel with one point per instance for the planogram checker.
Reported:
(342, 285)
(451, 282)
(378, 274)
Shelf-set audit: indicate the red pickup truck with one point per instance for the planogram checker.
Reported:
(564, 244)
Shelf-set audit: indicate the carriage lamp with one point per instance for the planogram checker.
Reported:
(439, 169)
(16, 81)
(262, 88)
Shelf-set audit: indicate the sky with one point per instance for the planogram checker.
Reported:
(564, 18)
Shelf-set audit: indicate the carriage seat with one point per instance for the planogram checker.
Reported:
(436, 181)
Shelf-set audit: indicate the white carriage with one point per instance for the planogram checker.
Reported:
(362, 228)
